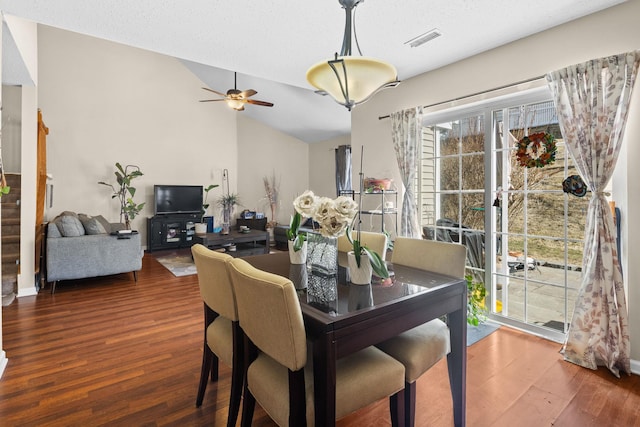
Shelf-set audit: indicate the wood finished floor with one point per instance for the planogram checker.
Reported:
(109, 352)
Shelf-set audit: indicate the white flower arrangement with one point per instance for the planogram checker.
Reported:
(333, 215)
(335, 218)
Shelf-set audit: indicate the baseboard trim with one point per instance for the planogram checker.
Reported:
(27, 292)
(635, 367)
(3, 362)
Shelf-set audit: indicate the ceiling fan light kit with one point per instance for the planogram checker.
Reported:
(351, 80)
(237, 98)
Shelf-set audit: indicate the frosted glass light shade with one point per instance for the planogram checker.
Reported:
(365, 76)
(236, 104)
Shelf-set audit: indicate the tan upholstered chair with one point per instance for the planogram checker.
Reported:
(377, 242)
(222, 334)
(278, 375)
(421, 347)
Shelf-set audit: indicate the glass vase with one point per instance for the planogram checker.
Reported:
(322, 254)
(226, 219)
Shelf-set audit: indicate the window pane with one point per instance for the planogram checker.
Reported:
(448, 138)
(449, 207)
(449, 174)
(473, 210)
(473, 172)
(546, 214)
(472, 135)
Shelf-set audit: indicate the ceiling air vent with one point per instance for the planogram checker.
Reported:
(423, 38)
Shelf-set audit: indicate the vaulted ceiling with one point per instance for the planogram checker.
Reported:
(271, 43)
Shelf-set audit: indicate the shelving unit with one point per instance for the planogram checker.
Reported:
(385, 196)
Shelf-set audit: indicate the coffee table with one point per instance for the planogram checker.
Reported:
(255, 242)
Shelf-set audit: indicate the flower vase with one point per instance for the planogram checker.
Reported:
(226, 219)
(322, 292)
(322, 254)
(359, 275)
(298, 275)
(297, 257)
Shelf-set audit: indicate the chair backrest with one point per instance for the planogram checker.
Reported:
(215, 284)
(377, 242)
(440, 257)
(270, 314)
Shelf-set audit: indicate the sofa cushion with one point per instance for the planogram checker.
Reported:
(69, 224)
(94, 224)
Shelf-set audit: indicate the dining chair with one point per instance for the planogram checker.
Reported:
(375, 241)
(280, 375)
(223, 338)
(418, 349)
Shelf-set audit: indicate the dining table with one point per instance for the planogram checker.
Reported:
(342, 318)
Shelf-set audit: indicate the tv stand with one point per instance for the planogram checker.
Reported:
(171, 231)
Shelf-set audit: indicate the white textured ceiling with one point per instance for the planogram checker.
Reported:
(271, 43)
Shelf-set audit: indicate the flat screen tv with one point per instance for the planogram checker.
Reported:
(177, 199)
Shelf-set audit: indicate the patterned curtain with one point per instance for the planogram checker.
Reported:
(592, 100)
(343, 168)
(406, 136)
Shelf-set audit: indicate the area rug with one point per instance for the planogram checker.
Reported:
(180, 264)
(476, 333)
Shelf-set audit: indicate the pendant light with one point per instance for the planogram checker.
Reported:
(351, 80)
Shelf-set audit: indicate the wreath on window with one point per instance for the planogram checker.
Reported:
(536, 150)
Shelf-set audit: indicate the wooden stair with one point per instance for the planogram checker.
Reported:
(10, 214)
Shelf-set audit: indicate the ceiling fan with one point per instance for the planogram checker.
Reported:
(236, 98)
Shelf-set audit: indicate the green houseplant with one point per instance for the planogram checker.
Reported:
(227, 202)
(125, 192)
(201, 227)
(294, 234)
(205, 204)
(476, 308)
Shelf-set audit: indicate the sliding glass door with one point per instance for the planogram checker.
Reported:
(522, 232)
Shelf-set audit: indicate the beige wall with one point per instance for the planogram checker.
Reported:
(609, 32)
(322, 167)
(266, 152)
(106, 103)
(11, 128)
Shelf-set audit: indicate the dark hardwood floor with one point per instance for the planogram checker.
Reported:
(107, 351)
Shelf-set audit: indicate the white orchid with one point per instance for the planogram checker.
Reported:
(333, 216)
(306, 204)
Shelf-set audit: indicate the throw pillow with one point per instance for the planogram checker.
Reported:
(91, 224)
(106, 224)
(69, 225)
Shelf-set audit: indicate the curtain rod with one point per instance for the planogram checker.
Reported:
(475, 94)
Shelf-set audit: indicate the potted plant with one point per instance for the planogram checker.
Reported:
(227, 202)
(297, 240)
(364, 261)
(476, 308)
(124, 192)
(201, 227)
(361, 267)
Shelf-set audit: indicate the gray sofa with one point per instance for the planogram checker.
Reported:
(80, 246)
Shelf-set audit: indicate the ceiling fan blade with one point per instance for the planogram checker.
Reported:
(256, 102)
(214, 91)
(247, 93)
(211, 100)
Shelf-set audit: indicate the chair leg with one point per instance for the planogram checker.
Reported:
(237, 375)
(207, 362)
(248, 405)
(53, 287)
(410, 404)
(135, 276)
(397, 409)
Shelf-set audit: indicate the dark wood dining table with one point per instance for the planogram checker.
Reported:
(342, 318)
